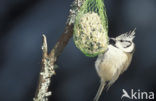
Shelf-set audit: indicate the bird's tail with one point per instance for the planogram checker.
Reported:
(102, 85)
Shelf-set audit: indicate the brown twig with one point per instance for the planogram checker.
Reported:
(48, 60)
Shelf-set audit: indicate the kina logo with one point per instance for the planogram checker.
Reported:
(137, 94)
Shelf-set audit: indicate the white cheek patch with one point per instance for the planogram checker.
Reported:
(118, 44)
(130, 49)
(125, 46)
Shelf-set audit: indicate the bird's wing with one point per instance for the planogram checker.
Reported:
(128, 61)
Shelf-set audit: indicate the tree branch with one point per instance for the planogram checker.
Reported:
(48, 60)
(62, 42)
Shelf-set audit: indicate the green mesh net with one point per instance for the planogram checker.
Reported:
(91, 28)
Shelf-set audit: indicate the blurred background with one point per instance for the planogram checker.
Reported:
(22, 23)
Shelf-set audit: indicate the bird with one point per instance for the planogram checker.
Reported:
(115, 60)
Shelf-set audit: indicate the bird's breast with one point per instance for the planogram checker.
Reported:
(111, 62)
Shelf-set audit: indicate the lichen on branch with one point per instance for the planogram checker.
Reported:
(48, 60)
(45, 75)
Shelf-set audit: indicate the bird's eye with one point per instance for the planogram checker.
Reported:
(121, 41)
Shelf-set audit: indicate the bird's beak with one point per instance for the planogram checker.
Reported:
(112, 41)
